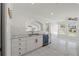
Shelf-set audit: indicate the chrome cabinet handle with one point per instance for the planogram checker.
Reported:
(19, 48)
(19, 39)
(36, 40)
(19, 52)
(19, 43)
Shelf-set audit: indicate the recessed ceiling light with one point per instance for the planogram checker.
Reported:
(51, 13)
(33, 3)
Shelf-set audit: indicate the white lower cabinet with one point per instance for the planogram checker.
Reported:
(15, 51)
(30, 43)
(23, 45)
(18, 46)
(39, 42)
(34, 42)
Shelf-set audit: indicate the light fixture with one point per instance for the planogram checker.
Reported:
(9, 13)
(51, 13)
(33, 3)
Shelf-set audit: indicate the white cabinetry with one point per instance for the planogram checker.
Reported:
(30, 43)
(34, 42)
(22, 45)
(18, 46)
(39, 42)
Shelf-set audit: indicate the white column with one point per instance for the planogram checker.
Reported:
(7, 31)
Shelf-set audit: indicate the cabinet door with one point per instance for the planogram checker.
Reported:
(39, 42)
(15, 42)
(30, 44)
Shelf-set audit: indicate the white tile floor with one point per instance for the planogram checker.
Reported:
(45, 51)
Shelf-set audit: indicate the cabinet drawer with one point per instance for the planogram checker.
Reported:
(21, 44)
(18, 39)
(15, 51)
(21, 39)
(16, 43)
(15, 40)
(18, 53)
(18, 50)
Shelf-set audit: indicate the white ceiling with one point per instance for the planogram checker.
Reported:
(44, 10)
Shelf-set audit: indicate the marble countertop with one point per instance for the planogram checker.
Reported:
(24, 35)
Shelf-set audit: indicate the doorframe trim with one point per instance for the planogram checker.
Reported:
(2, 29)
